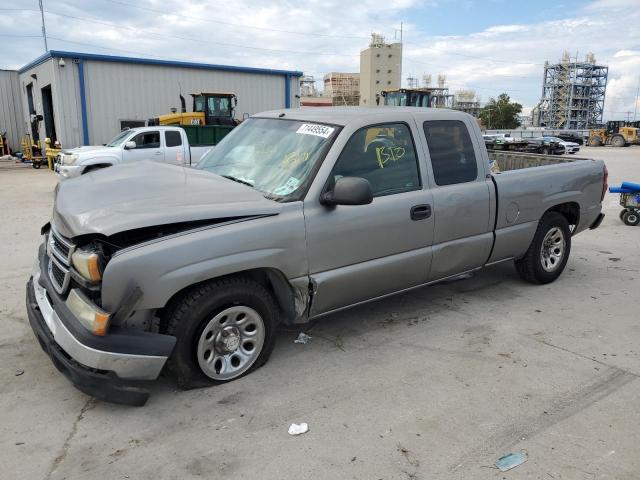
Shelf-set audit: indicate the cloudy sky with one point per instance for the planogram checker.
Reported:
(490, 46)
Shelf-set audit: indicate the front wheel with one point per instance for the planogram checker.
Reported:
(224, 328)
(549, 251)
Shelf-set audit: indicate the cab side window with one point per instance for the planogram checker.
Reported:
(384, 155)
(172, 138)
(452, 156)
(147, 140)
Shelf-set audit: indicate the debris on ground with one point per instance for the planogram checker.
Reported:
(511, 460)
(302, 338)
(298, 429)
(19, 372)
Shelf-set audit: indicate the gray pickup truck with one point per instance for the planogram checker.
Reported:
(294, 215)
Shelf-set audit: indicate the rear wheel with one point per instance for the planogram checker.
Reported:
(224, 329)
(631, 218)
(595, 141)
(549, 251)
(618, 141)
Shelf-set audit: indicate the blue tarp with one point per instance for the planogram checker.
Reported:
(634, 187)
(620, 190)
(626, 187)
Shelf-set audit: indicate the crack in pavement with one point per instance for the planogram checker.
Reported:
(89, 404)
(563, 407)
(581, 355)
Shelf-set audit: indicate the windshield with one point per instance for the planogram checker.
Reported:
(118, 139)
(396, 99)
(273, 156)
(219, 107)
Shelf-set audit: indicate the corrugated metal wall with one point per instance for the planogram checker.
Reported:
(116, 91)
(130, 91)
(66, 99)
(11, 113)
(64, 92)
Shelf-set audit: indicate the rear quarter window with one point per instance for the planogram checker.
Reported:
(453, 157)
(172, 138)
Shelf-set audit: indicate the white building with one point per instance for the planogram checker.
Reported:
(380, 69)
(86, 99)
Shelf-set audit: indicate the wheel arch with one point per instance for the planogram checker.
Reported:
(292, 301)
(569, 210)
(95, 166)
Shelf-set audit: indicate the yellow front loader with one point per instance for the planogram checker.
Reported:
(209, 108)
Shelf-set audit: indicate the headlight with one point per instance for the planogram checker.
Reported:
(87, 264)
(69, 159)
(91, 316)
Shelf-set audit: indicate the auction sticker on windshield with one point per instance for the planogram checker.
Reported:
(315, 129)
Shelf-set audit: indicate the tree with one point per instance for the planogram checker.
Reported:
(501, 113)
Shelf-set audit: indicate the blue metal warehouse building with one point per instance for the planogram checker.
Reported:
(86, 99)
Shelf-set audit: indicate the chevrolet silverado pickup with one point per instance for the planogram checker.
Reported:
(295, 215)
(160, 144)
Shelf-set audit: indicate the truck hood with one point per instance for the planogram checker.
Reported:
(147, 194)
(88, 149)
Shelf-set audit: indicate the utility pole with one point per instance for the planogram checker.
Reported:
(635, 108)
(44, 29)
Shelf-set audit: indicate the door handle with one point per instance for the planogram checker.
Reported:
(157, 153)
(420, 212)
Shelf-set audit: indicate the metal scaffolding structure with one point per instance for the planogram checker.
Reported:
(342, 88)
(467, 101)
(440, 96)
(573, 94)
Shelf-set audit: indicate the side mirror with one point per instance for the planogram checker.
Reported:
(349, 191)
(130, 145)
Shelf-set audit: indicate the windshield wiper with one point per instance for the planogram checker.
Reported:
(239, 180)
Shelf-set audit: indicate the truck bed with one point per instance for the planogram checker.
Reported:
(518, 160)
(524, 196)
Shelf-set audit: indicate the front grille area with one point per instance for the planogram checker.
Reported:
(60, 250)
(61, 247)
(57, 274)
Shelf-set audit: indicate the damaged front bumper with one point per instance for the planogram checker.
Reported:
(116, 367)
(68, 171)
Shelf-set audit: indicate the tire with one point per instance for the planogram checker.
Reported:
(622, 212)
(595, 141)
(545, 151)
(212, 323)
(546, 257)
(631, 218)
(35, 164)
(618, 141)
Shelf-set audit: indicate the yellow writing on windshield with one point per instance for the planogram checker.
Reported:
(293, 158)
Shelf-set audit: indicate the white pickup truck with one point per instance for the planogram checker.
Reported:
(162, 144)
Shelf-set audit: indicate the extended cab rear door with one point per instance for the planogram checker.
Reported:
(463, 194)
(174, 151)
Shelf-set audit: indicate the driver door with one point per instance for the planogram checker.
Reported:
(360, 252)
(148, 147)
